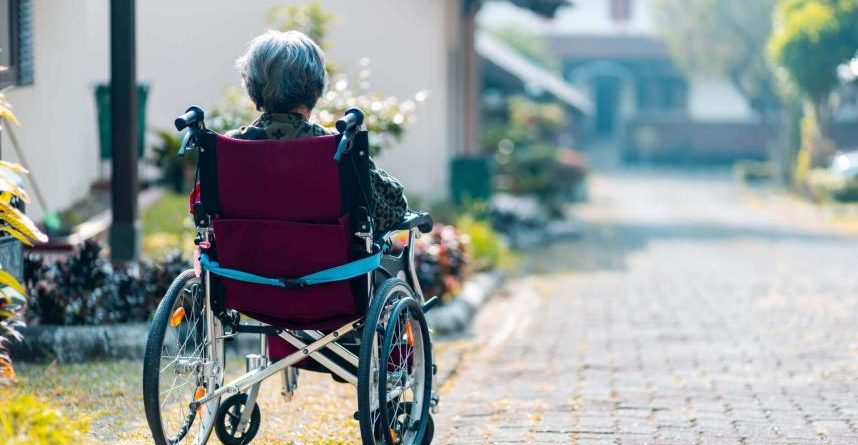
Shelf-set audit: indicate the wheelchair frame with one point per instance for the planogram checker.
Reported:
(259, 367)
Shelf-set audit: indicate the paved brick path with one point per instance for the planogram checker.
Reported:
(684, 316)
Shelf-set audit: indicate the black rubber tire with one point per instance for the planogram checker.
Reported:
(379, 303)
(220, 425)
(152, 358)
(411, 305)
(429, 434)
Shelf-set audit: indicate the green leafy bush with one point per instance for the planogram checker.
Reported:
(486, 248)
(86, 289)
(14, 223)
(528, 160)
(824, 186)
(28, 420)
(442, 260)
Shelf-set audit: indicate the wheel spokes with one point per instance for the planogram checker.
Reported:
(183, 354)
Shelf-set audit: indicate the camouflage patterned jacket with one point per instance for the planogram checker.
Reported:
(388, 193)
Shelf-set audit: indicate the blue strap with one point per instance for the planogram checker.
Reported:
(340, 273)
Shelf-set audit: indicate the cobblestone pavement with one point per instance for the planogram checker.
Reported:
(685, 315)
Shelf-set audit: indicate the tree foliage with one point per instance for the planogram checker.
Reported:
(725, 38)
(311, 19)
(811, 39)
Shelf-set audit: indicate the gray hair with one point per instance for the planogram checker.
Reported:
(283, 70)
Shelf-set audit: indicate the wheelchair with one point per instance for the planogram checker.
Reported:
(285, 250)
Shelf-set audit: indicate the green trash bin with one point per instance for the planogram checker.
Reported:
(105, 129)
(471, 178)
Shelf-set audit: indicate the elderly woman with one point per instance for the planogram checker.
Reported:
(284, 74)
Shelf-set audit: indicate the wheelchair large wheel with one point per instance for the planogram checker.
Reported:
(184, 360)
(373, 365)
(405, 377)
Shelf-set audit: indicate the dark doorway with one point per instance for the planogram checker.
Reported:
(607, 89)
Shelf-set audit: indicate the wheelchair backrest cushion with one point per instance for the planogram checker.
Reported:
(284, 209)
(292, 180)
(280, 249)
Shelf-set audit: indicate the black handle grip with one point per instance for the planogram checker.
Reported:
(351, 120)
(191, 117)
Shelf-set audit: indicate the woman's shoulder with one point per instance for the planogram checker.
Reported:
(248, 132)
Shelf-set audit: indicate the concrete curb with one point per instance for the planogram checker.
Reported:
(75, 344)
(455, 316)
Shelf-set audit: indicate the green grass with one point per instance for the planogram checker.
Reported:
(167, 226)
(108, 396)
(106, 393)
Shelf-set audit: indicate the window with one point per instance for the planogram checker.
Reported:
(621, 10)
(16, 42)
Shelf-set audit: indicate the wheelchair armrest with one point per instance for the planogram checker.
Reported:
(420, 220)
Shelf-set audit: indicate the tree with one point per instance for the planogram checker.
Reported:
(812, 38)
(727, 38)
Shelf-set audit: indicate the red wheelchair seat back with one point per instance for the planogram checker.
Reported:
(286, 208)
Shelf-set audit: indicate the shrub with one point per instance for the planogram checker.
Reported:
(11, 308)
(441, 260)
(27, 420)
(485, 247)
(13, 223)
(86, 289)
(824, 186)
(552, 175)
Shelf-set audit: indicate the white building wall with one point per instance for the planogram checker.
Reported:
(587, 17)
(186, 51)
(716, 100)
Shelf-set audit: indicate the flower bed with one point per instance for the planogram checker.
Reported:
(86, 289)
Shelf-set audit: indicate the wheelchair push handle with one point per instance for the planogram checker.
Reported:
(351, 120)
(193, 121)
(192, 116)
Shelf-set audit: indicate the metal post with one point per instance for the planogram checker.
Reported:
(125, 230)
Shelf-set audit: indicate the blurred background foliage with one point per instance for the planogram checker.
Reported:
(784, 57)
(523, 140)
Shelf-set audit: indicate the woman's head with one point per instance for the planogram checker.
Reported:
(283, 71)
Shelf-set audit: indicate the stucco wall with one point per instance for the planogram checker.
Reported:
(590, 17)
(186, 51)
(716, 100)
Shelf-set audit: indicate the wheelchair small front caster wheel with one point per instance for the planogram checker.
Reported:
(229, 417)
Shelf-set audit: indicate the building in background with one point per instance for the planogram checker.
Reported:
(609, 50)
(506, 73)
